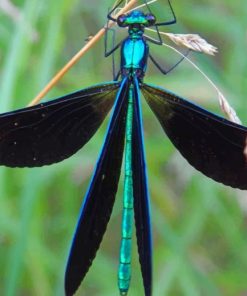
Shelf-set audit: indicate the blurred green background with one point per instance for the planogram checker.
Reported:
(199, 226)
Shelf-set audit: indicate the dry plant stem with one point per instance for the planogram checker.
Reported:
(225, 106)
(142, 5)
(76, 57)
(196, 43)
(138, 7)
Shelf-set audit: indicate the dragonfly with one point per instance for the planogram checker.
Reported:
(53, 131)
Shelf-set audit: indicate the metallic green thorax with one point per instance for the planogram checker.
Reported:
(124, 272)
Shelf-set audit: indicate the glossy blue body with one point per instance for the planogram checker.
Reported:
(134, 54)
(134, 49)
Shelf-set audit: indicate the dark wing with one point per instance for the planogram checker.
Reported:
(52, 131)
(212, 144)
(100, 197)
(141, 198)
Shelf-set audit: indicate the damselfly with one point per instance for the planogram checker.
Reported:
(52, 131)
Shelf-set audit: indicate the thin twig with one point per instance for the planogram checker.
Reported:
(143, 5)
(138, 7)
(119, 7)
(224, 105)
(76, 57)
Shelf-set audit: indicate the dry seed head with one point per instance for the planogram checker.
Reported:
(193, 42)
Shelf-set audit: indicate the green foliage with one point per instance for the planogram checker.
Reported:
(199, 226)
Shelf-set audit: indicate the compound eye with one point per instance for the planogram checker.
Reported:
(150, 19)
(121, 21)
